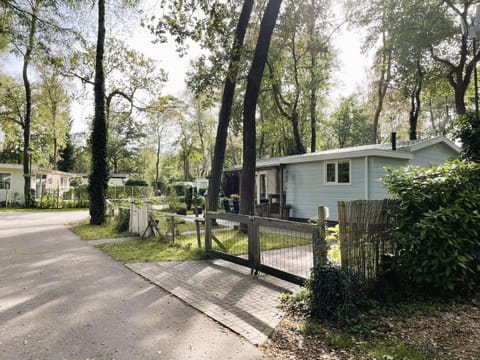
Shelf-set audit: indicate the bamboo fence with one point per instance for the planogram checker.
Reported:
(363, 237)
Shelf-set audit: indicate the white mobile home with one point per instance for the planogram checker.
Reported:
(43, 180)
(326, 177)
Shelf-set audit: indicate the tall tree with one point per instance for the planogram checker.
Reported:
(54, 108)
(35, 28)
(299, 65)
(98, 179)
(460, 66)
(66, 160)
(349, 124)
(31, 27)
(226, 107)
(247, 184)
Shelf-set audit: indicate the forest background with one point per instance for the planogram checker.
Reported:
(307, 101)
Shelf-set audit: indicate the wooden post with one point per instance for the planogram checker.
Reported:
(208, 232)
(199, 241)
(148, 211)
(341, 234)
(282, 202)
(131, 228)
(253, 245)
(319, 242)
(173, 228)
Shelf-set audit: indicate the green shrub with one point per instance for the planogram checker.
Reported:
(136, 182)
(335, 295)
(468, 131)
(436, 226)
(122, 221)
(181, 209)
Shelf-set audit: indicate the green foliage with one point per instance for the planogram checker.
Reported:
(136, 182)
(171, 198)
(50, 200)
(350, 124)
(95, 232)
(335, 295)
(468, 130)
(436, 226)
(66, 161)
(122, 221)
(126, 192)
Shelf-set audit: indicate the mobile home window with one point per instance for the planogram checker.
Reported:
(263, 186)
(5, 181)
(337, 172)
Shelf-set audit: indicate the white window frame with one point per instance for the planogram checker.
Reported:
(336, 162)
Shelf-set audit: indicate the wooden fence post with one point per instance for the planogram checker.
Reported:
(342, 227)
(208, 232)
(197, 226)
(172, 225)
(253, 245)
(319, 242)
(131, 223)
(145, 218)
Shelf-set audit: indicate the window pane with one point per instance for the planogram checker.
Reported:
(344, 172)
(331, 172)
(263, 186)
(4, 181)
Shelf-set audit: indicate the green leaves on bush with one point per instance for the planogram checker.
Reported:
(468, 130)
(122, 221)
(436, 226)
(335, 295)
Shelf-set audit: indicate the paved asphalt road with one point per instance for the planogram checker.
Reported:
(60, 298)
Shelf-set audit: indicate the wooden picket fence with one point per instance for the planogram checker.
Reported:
(363, 238)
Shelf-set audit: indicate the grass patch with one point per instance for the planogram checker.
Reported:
(95, 232)
(165, 225)
(236, 242)
(152, 249)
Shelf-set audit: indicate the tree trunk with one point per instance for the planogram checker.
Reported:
(383, 83)
(99, 176)
(460, 99)
(416, 102)
(226, 107)
(313, 119)
(299, 148)
(247, 183)
(157, 163)
(28, 107)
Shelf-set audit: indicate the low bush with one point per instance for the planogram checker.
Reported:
(122, 221)
(136, 182)
(335, 295)
(436, 227)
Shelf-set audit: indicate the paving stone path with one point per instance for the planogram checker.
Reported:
(224, 291)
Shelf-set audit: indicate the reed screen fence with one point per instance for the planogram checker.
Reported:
(364, 240)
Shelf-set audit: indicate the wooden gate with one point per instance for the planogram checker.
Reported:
(281, 248)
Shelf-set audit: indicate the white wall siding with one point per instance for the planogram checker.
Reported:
(306, 189)
(433, 155)
(377, 168)
(15, 193)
